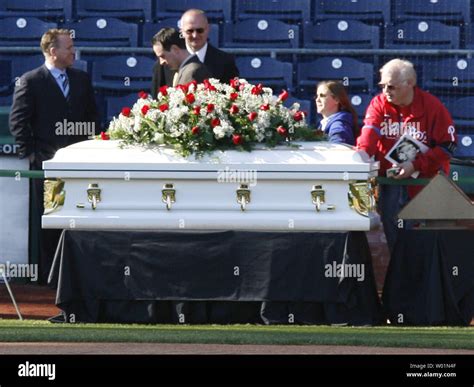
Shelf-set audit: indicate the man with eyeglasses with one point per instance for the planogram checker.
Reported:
(195, 31)
(403, 108)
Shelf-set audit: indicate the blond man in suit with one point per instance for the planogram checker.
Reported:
(44, 100)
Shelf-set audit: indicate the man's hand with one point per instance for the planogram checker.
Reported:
(406, 170)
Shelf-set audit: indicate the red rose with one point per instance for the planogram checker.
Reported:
(251, 116)
(298, 116)
(215, 122)
(208, 85)
(233, 96)
(193, 82)
(234, 83)
(237, 139)
(283, 96)
(197, 110)
(164, 90)
(104, 136)
(163, 107)
(195, 130)
(126, 111)
(145, 109)
(234, 109)
(282, 131)
(265, 107)
(257, 90)
(143, 95)
(210, 107)
(190, 98)
(183, 88)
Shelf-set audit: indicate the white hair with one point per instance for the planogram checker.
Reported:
(404, 69)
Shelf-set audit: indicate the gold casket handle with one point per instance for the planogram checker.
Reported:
(168, 195)
(243, 196)
(94, 194)
(318, 197)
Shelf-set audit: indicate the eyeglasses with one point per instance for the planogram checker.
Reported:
(389, 87)
(197, 30)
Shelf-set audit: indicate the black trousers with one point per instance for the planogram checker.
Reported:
(44, 242)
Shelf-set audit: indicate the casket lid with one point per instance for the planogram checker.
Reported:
(95, 155)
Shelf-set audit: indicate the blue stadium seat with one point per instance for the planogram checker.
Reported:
(462, 113)
(341, 33)
(469, 38)
(267, 71)
(114, 105)
(449, 76)
(465, 148)
(150, 29)
(123, 73)
(80, 65)
(355, 75)
(360, 102)
(5, 75)
(6, 99)
(370, 11)
(24, 63)
(122, 9)
(294, 11)
(421, 34)
(101, 32)
(46, 9)
(23, 31)
(306, 106)
(446, 11)
(216, 10)
(261, 33)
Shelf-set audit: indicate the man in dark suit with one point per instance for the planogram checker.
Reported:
(53, 107)
(170, 49)
(195, 30)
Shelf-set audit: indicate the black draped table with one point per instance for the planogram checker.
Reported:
(215, 277)
(430, 279)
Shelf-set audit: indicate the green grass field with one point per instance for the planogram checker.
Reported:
(386, 336)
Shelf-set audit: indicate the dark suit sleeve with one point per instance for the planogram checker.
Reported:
(201, 73)
(21, 114)
(231, 70)
(156, 79)
(221, 64)
(161, 76)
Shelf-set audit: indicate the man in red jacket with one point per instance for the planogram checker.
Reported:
(404, 109)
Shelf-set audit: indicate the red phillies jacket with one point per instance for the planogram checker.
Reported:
(426, 119)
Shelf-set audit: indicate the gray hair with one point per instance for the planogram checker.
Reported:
(401, 68)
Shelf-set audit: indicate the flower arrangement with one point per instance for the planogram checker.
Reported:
(197, 118)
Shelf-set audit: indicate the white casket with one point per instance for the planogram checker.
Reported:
(317, 186)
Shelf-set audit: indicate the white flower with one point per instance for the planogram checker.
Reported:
(203, 117)
(219, 131)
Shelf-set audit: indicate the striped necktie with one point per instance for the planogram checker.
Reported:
(65, 84)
